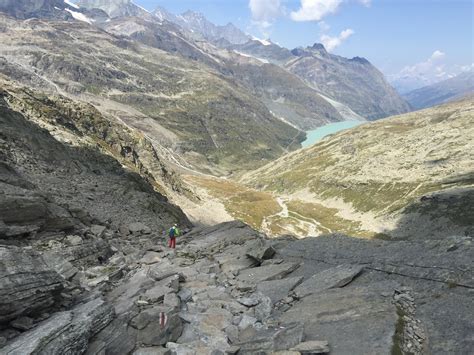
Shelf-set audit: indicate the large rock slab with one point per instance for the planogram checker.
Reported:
(157, 326)
(312, 347)
(355, 320)
(338, 276)
(261, 253)
(276, 290)
(273, 339)
(27, 285)
(268, 272)
(65, 332)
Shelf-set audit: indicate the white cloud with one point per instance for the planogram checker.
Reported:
(323, 26)
(265, 12)
(315, 10)
(332, 43)
(465, 68)
(436, 55)
(366, 3)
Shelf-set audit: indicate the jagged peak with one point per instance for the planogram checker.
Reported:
(319, 47)
(360, 60)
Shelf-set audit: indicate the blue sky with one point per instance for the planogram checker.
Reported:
(409, 40)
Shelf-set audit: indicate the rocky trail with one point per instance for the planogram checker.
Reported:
(228, 289)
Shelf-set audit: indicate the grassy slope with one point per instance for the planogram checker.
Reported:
(383, 167)
(352, 181)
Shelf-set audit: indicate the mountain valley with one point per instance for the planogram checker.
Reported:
(118, 123)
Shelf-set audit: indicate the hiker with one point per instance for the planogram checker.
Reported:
(173, 233)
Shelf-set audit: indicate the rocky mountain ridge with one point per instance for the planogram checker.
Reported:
(182, 102)
(448, 90)
(360, 87)
(355, 82)
(197, 24)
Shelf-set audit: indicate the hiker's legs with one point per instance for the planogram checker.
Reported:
(170, 242)
(173, 243)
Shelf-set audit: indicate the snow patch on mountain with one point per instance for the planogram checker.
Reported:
(251, 56)
(80, 17)
(68, 2)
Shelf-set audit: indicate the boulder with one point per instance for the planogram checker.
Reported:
(156, 294)
(28, 287)
(272, 339)
(73, 240)
(277, 290)
(150, 258)
(247, 321)
(69, 330)
(157, 326)
(138, 228)
(22, 323)
(312, 347)
(262, 253)
(338, 276)
(98, 230)
(155, 350)
(185, 294)
(264, 308)
(266, 273)
(172, 300)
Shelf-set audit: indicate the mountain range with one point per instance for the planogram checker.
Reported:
(445, 91)
(196, 28)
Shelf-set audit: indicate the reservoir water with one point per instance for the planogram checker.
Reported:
(319, 133)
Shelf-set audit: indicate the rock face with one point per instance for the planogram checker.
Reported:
(354, 82)
(34, 8)
(29, 286)
(114, 8)
(198, 24)
(65, 330)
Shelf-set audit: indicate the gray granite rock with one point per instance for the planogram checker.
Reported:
(276, 290)
(360, 311)
(266, 273)
(338, 276)
(273, 339)
(312, 347)
(157, 326)
(27, 285)
(69, 330)
(261, 253)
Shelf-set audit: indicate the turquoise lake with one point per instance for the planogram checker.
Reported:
(316, 135)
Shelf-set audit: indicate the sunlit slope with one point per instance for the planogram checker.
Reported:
(416, 164)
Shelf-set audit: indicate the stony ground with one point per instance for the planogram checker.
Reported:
(227, 289)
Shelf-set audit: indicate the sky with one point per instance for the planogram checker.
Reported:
(413, 42)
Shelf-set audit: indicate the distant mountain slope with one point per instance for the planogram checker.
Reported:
(283, 93)
(442, 92)
(354, 82)
(198, 24)
(114, 8)
(409, 174)
(208, 120)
